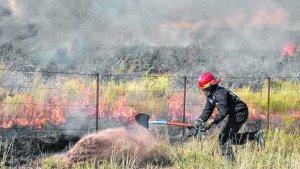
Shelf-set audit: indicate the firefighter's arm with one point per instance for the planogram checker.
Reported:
(207, 111)
(222, 107)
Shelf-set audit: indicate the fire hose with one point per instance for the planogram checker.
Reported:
(143, 120)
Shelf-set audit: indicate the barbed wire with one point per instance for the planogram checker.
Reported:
(62, 90)
(133, 75)
(104, 78)
(107, 104)
(38, 71)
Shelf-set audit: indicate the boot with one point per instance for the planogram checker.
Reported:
(259, 137)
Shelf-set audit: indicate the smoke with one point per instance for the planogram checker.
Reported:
(75, 26)
(155, 22)
(118, 143)
(4, 12)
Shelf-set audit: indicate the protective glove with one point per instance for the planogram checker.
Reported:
(198, 124)
(196, 127)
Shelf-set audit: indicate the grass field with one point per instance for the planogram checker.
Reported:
(282, 146)
(282, 151)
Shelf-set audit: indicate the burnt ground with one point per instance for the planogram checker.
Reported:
(20, 145)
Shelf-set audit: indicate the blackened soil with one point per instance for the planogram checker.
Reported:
(20, 145)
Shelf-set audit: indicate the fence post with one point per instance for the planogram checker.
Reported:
(269, 87)
(184, 102)
(97, 100)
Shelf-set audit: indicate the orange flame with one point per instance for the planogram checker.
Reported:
(175, 106)
(254, 114)
(120, 109)
(295, 115)
(288, 50)
(58, 108)
(54, 111)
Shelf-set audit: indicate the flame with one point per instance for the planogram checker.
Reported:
(296, 115)
(120, 110)
(54, 111)
(6, 122)
(288, 50)
(175, 106)
(254, 114)
(58, 107)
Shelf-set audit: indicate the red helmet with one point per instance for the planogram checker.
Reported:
(206, 80)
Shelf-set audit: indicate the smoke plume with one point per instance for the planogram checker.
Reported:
(54, 32)
(235, 23)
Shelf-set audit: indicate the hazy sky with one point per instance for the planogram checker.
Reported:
(226, 24)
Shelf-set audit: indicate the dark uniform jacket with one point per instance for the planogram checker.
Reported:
(227, 103)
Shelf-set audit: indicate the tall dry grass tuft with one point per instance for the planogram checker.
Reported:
(118, 144)
(282, 151)
(284, 96)
(6, 148)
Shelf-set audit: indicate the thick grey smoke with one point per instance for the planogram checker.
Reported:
(65, 30)
(229, 24)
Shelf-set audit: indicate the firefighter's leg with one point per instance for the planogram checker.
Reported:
(236, 138)
(242, 138)
(227, 151)
(225, 143)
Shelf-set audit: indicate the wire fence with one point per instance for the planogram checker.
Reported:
(81, 103)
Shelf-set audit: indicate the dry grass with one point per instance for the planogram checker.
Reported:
(282, 151)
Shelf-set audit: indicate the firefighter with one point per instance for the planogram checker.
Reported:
(231, 106)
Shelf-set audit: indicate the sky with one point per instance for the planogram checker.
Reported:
(225, 24)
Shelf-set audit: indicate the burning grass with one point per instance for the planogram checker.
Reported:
(66, 97)
(122, 100)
